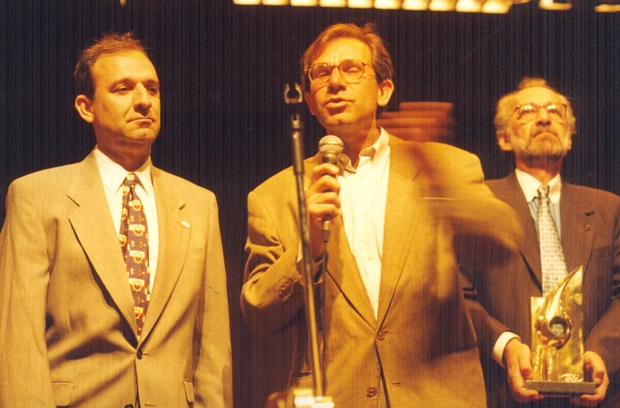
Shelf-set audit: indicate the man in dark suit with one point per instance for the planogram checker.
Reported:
(396, 329)
(91, 313)
(536, 124)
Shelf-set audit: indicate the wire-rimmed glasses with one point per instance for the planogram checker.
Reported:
(351, 71)
(529, 111)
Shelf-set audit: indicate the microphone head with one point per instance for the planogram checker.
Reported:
(330, 148)
(331, 145)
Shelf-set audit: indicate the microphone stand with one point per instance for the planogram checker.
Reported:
(303, 398)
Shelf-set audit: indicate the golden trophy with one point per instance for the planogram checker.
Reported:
(557, 340)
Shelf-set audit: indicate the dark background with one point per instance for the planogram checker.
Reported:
(225, 126)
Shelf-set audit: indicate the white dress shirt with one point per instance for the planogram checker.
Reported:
(530, 186)
(113, 175)
(363, 197)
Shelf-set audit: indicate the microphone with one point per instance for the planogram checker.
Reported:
(330, 148)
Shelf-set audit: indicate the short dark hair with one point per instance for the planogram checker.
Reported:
(111, 43)
(381, 60)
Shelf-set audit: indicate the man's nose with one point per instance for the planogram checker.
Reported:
(335, 78)
(142, 96)
(542, 115)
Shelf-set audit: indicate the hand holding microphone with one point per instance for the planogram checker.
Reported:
(330, 148)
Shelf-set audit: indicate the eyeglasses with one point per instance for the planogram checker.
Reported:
(350, 70)
(529, 111)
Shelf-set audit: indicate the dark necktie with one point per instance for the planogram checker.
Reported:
(133, 238)
(551, 254)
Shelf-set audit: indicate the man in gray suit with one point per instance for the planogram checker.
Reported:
(92, 314)
(536, 124)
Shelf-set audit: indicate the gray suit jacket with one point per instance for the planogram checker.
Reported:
(422, 340)
(67, 329)
(590, 237)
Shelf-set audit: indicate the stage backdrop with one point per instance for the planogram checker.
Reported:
(225, 126)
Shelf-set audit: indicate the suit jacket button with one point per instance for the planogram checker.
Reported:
(381, 335)
(139, 355)
(372, 392)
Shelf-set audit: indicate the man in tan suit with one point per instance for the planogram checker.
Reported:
(71, 333)
(396, 331)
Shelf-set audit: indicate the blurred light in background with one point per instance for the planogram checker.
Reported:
(465, 6)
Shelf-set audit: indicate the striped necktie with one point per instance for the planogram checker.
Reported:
(551, 254)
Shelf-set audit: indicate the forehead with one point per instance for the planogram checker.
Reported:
(536, 95)
(341, 49)
(128, 64)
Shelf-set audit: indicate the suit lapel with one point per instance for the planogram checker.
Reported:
(401, 214)
(530, 249)
(578, 228)
(174, 236)
(342, 268)
(93, 226)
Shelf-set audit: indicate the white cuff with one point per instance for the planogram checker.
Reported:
(500, 345)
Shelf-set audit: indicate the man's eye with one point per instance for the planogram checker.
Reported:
(321, 72)
(351, 68)
(527, 109)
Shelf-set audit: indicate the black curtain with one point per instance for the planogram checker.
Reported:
(225, 125)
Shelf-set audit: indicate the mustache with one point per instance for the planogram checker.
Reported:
(543, 129)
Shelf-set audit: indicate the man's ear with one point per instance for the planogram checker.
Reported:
(503, 141)
(386, 89)
(84, 106)
(310, 102)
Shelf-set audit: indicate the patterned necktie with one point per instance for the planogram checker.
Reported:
(551, 253)
(133, 238)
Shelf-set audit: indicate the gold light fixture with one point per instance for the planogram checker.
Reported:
(442, 5)
(497, 6)
(387, 4)
(415, 5)
(607, 8)
(304, 3)
(469, 6)
(361, 3)
(333, 3)
(551, 5)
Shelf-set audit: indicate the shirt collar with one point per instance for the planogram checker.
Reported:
(374, 154)
(113, 174)
(530, 185)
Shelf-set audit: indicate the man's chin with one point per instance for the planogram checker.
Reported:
(550, 154)
(546, 136)
(142, 136)
(337, 121)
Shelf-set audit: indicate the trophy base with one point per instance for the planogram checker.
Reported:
(561, 388)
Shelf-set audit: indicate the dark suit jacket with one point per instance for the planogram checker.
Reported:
(422, 340)
(67, 328)
(590, 237)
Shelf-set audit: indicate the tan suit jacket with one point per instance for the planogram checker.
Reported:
(422, 344)
(590, 225)
(67, 329)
